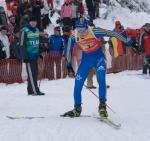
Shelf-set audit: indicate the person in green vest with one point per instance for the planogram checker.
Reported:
(29, 44)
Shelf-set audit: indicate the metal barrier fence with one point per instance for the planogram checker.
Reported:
(11, 70)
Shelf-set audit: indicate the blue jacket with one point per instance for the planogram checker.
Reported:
(56, 43)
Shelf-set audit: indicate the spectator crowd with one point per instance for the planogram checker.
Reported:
(53, 62)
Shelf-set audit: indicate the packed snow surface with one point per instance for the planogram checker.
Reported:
(128, 96)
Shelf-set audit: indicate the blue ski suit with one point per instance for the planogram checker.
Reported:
(91, 60)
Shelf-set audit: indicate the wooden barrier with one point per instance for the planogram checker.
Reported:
(4, 75)
(15, 70)
(54, 68)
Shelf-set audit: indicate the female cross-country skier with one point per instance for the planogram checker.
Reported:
(90, 42)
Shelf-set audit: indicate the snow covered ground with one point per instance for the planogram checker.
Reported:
(128, 96)
(128, 19)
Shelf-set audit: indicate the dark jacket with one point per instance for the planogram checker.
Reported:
(2, 53)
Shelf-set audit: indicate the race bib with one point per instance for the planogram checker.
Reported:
(89, 45)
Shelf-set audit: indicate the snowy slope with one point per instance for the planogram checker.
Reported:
(119, 10)
(128, 97)
(127, 18)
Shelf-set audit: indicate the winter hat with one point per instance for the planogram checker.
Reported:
(147, 28)
(81, 23)
(117, 23)
(3, 28)
(66, 29)
(57, 28)
(147, 25)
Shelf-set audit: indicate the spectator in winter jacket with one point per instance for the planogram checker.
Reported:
(91, 9)
(66, 64)
(12, 24)
(50, 3)
(3, 18)
(44, 43)
(16, 45)
(96, 7)
(5, 41)
(30, 54)
(24, 7)
(14, 9)
(144, 46)
(133, 35)
(24, 12)
(37, 6)
(80, 7)
(118, 27)
(66, 34)
(117, 49)
(45, 13)
(66, 13)
(56, 46)
(2, 53)
(11, 39)
(74, 13)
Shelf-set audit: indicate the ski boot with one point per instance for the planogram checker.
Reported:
(102, 111)
(73, 113)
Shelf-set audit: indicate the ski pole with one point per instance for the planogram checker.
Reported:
(98, 98)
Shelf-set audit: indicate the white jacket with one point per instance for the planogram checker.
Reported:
(5, 41)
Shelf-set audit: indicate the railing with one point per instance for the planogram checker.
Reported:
(13, 71)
